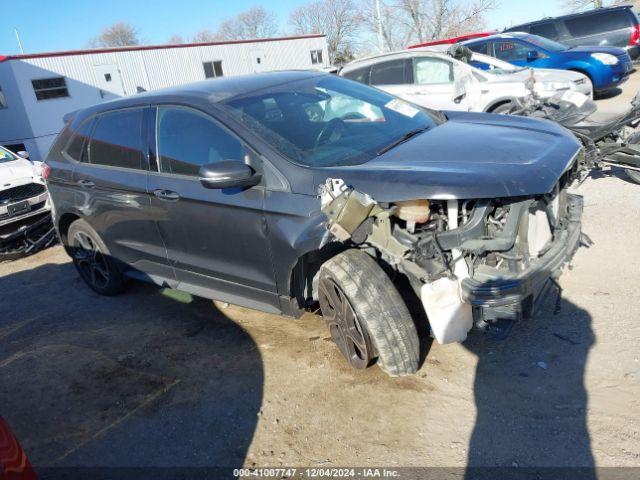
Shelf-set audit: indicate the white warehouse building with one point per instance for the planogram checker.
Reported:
(38, 90)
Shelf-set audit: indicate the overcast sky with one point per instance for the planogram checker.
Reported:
(46, 25)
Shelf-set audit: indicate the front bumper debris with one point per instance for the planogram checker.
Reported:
(497, 304)
(27, 237)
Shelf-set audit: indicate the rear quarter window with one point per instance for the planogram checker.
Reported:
(359, 75)
(547, 29)
(77, 146)
(388, 73)
(599, 22)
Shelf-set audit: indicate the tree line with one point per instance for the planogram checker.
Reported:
(352, 27)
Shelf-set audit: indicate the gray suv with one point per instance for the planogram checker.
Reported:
(613, 26)
(286, 190)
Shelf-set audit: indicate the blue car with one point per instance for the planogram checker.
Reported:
(606, 67)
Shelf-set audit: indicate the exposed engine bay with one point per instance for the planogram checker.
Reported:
(478, 262)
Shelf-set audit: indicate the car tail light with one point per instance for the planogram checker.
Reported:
(46, 170)
(635, 36)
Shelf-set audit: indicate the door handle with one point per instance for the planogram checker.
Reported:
(86, 183)
(167, 195)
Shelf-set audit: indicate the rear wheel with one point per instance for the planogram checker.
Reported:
(92, 260)
(366, 315)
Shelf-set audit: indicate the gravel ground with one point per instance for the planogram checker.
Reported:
(158, 378)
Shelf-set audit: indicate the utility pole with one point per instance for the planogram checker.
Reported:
(18, 39)
(379, 21)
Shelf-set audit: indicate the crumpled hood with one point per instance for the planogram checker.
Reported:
(16, 171)
(471, 156)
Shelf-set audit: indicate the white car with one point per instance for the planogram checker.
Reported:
(436, 80)
(25, 209)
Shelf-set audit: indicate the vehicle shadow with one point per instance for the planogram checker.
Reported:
(151, 379)
(531, 399)
(613, 172)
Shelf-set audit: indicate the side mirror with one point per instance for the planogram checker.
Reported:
(228, 174)
(532, 55)
(23, 154)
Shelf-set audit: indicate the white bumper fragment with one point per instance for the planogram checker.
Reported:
(449, 317)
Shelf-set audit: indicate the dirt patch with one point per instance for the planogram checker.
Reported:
(60, 396)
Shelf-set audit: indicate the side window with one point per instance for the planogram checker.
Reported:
(79, 142)
(598, 22)
(117, 139)
(482, 48)
(388, 73)
(359, 75)
(547, 29)
(188, 139)
(511, 51)
(429, 71)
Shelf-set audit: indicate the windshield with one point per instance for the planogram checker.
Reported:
(329, 121)
(6, 155)
(544, 43)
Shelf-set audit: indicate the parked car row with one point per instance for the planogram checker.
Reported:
(599, 43)
(606, 67)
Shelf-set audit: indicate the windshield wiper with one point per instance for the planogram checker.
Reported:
(407, 136)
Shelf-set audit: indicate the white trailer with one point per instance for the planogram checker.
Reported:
(38, 90)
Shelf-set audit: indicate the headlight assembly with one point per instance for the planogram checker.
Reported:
(605, 58)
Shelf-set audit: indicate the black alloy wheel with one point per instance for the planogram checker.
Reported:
(344, 325)
(91, 262)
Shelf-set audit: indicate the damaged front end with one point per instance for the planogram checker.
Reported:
(478, 262)
(25, 220)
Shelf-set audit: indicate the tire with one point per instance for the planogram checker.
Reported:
(93, 261)
(352, 284)
(502, 109)
(634, 175)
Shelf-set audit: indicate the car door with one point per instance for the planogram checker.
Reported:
(111, 178)
(392, 76)
(434, 85)
(216, 239)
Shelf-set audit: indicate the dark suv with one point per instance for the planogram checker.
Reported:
(613, 26)
(280, 191)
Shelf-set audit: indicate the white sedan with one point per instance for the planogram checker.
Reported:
(437, 80)
(25, 219)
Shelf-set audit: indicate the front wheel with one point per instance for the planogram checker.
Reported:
(503, 109)
(366, 316)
